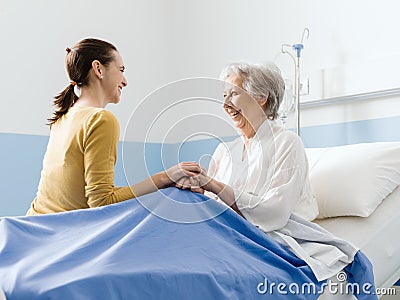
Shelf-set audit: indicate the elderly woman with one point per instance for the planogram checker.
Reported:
(263, 174)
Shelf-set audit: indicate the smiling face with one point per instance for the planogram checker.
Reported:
(244, 110)
(114, 79)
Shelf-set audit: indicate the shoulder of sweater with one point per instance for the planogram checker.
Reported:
(101, 115)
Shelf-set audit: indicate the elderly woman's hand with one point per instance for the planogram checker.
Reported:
(193, 182)
(201, 180)
(183, 183)
(189, 183)
(195, 186)
(182, 170)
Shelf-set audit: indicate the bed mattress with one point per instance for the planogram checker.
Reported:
(377, 236)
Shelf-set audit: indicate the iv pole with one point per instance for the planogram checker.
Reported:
(296, 60)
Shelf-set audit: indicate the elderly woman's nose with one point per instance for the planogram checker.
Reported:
(228, 99)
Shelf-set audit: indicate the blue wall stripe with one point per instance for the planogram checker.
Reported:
(21, 156)
(374, 130)
(21, 159)
(137, 161)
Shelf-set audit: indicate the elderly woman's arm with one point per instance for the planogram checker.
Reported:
(224, 192)
(271, 210)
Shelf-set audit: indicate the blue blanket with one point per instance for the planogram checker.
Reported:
(123, 251)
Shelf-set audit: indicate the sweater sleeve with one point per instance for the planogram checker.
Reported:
(100, 154)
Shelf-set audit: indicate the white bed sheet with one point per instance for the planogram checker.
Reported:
(377, 236)
(2, 296)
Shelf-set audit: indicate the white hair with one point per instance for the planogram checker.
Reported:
(261, 81)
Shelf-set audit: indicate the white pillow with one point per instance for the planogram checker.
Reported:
(353, 180)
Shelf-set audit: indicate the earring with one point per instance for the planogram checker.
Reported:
(101, 77)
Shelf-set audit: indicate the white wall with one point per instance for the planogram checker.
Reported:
(341, 32)
(34, 35)
(353, 47)
(166, 40)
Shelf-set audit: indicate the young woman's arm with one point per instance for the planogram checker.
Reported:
(165, 178)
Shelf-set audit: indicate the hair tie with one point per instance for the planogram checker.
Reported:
(72, 82)
(68, 50)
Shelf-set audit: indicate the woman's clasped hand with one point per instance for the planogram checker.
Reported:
(189, 175)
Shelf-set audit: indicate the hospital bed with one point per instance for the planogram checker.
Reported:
(376, 236)
(358, 194)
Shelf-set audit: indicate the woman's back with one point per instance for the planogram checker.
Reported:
(69, 174)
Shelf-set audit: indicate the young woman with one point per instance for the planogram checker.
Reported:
(78, 167)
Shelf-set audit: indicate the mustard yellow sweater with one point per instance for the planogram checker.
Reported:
(78, 167)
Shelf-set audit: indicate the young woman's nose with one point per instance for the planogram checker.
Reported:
(124, 81)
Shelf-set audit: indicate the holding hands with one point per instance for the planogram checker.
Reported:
(189, 175)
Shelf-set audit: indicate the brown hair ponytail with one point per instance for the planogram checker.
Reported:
(63, 101)
(78, 63)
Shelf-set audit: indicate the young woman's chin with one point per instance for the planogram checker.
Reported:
(116, 99)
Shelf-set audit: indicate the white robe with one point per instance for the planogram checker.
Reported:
(272, 190)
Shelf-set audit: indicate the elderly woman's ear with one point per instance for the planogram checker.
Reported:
(263, 102)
